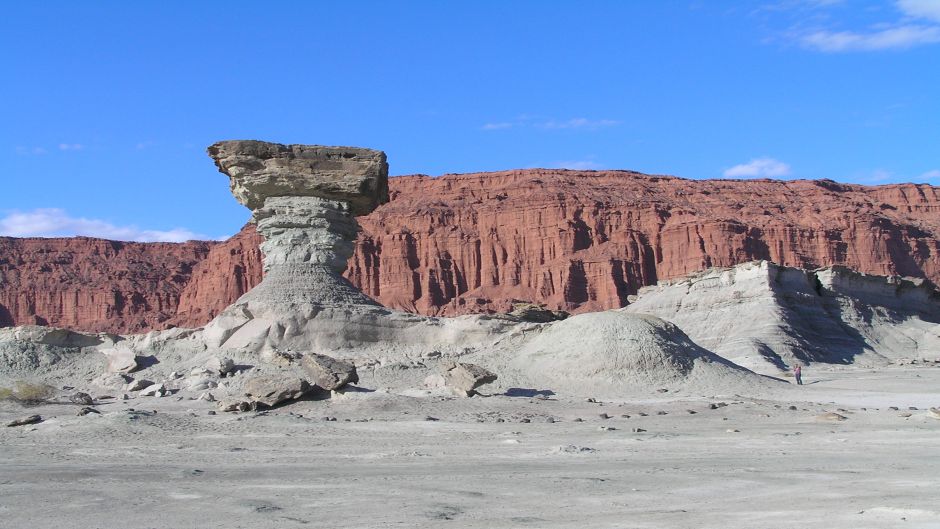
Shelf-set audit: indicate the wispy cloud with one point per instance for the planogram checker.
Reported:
(917, 23)
(896, 38)
(551, 123)
(759, 168)
(578, 123)
(928, 9)
(931, 175)
(23, 151)
(580, 165)
(71, 146)
(55, 222)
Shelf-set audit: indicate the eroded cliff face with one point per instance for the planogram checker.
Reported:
(575, 240)
(585, 240)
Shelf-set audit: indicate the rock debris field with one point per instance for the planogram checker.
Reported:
(307, 404)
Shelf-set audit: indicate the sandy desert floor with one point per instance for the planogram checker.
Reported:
(489, 462)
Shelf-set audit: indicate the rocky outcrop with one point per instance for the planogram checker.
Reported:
(302, 198)
(92, 284)
(573, 240)
(766, 317)
(585, 240)
(123, 287)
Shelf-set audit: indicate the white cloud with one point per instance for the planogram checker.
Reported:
(30, 150)
(578, 123)
(900, 37)
(54, 222)
(71, 146)
(552, 124)
(931, 175)
(929, 9)
(759, 168)
(580, 165)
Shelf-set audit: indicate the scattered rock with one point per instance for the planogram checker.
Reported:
(271, 390)
(283, 358)
(572, 449)
(661, 413)
(434, 381)
(831, 416)
(220, 365)
(638, 430)
(138, 384)
(86, 410)
(463, 379)
(535, 313)
(120, 360)
(792, 408)
(201, 384)
(81, 398)
(733, 430)
(237, 405)
(22, 421)
(604, 416)
(208, 397)
(154, 390)
(328, 373)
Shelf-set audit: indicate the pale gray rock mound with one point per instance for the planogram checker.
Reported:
(616, 353)
(768, 317)
(328, 373)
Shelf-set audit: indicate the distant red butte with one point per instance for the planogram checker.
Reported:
(574, 240)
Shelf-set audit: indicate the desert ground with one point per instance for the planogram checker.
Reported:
(516, 459)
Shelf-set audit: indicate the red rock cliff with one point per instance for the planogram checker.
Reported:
(584, 240)
(576, 240)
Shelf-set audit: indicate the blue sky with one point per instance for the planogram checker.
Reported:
(107, 106)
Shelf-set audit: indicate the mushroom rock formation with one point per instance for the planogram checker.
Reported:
(303, 200)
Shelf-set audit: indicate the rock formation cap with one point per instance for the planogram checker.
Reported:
(258, 170)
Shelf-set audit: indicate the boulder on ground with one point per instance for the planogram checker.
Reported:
(120, 360)
(535, 313)
(328, 373)
(463, 379)
(222, 366)
(138, 384)
(271, 390)
(154, 390)
(22, 421)
(200, 383)
(237, 405)
(81, 398)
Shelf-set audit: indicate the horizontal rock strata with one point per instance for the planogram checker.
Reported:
(574, 240)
